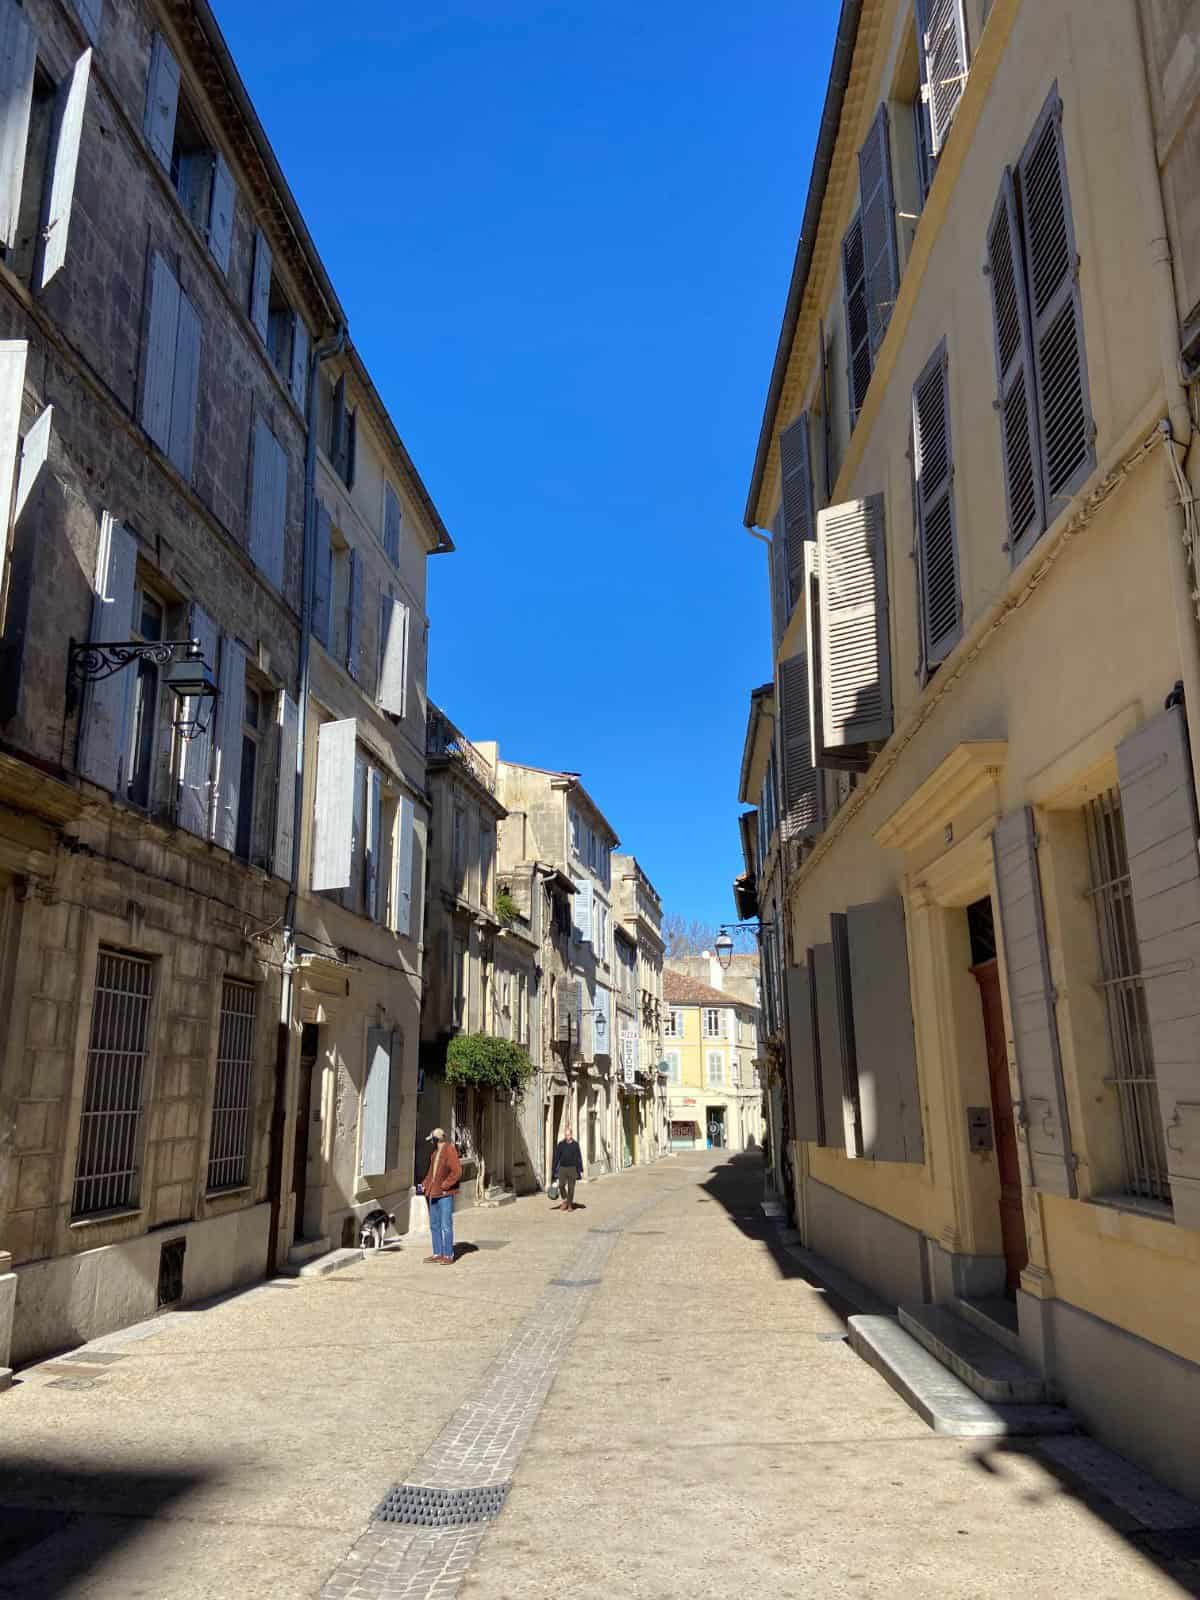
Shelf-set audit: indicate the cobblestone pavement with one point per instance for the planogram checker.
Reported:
(659, 1393)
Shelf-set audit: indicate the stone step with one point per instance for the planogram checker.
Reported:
(497, 1197)
(306, 1250)
(986, 1367)
(937, 1396)
(331, 1261)
(995, 1317)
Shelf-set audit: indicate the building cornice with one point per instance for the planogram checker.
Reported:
(967, 773)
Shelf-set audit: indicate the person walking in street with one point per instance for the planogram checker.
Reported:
(439, 1188)
(568, 1166)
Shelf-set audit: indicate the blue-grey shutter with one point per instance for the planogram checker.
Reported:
(354, 616)
(351, 463)
(220, 216)
(18, 57)
(858, 322)
(885, 1048)
(1158, 805)
(856, 681)
(778, 558)
(795, 466)
(185, 388)
(376, 1104)
(881, 261)
(69, 107)
(323, 575)
(801, 791)
(268, 503)
(583, 912)
(391, 524)
(105, 723)
(933, 499)
(942, 47)
(374, 877)
(196, 753)
(803, 1075)
(333, 819)
(300, 349)
(393, 656)
(288, 722)
(90, 13)
(337, 428)
(840, 940)
(162, 100)
(158, 384)
(1013, 344)
(227, 767)
(13, 356)
(407, 888)
(829, 1047)
(1031, 1003)
(260, 285)
(1065, 428)
(35, 453)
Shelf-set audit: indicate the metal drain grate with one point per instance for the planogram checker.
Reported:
(423, 1507)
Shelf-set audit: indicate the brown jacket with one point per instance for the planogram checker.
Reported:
(445, 1171)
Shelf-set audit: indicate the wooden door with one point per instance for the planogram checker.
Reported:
(300, 1151)
(1012, 1214)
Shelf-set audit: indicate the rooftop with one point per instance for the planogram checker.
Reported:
(680, 990)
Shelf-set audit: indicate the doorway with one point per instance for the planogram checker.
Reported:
(715, 1117)
(987, 975)
(304, 1088)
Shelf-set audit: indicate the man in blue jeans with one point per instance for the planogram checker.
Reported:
(439, 1188)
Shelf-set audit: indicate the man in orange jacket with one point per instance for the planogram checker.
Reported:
(439, 1188)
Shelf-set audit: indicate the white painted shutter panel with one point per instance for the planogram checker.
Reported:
(845, 1004)
(268, 503)
(323, 576)
(376, 1102)
(163, 337)
(1158, 805)
(162, 100)
(942, 47)
(108, 705)
(856, 682)
(803, 1075)
(13, 355)
(90, 13)
(354, 617)
(231, 713)
(933, 494)
(287, 717)
(406, 835)
(829, 1046)
(220, 218)
(884, 1045)
(796, 488)
(858, 321)
(1013, 345)
(583, 913)
(373, 853)
(196, 755)
(260, 286)
(1031, 1003)
(333, 828)
(299, 378)
(801, 785)
(185, 390)
(35, 452)
(393, 671)
(71, 102)
(881, 263)
(18, 57)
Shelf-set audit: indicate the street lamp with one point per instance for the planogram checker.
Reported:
(190, 677)
(723, 945)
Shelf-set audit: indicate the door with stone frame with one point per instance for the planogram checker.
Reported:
(986, 973)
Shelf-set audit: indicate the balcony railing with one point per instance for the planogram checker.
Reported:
(442, 738)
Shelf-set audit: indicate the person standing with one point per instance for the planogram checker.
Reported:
(568, 1167)
(439, 1188)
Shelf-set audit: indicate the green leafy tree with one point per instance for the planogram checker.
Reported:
(479, 1061)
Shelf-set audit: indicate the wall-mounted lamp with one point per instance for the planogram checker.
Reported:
(190, 677)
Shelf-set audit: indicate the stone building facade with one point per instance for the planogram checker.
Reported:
(639, 961)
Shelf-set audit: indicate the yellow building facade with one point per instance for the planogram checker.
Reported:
(973, 471)
(714, 1096)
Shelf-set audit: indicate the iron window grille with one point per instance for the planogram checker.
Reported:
(1142, 1138)
(106, 1168)
(229, 1144)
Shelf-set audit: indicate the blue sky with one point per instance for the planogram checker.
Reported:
(563, 235)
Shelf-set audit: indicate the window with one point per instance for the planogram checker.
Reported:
(942, 46)
(199, 172)
(672, 1060)
(229, 1143)
(392, 518)
(933, 502)
(268, 503)
(674, 1027)
(339, 429)
(458, 979)
(458, 852)
(253, 723)
(148, 626)
(22, 252)
(487, 854)
(716, 1069)
(171, 379)
(192, 162)
(1142, 1137)
(522, 1033)
(106, 1167)
(714, 1023)
(281, 329)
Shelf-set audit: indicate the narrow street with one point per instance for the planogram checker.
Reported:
(661, 1383)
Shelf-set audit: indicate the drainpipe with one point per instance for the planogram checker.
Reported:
(287, 1007)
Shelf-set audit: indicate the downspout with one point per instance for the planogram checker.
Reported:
(287, 1005)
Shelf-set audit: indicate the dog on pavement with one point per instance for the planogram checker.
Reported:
(372, 1230)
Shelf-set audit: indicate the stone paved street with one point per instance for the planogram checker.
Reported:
(663, 1389)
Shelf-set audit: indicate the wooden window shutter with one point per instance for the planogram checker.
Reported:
(583, 913)
(13, 356)
(354, 616)
(90, 14)
(300, 353)
(1158, 805)
(196, 754)
(1014, 374)
(1031, 1004)
(933, 498)
(185, 388)
(855, 665)
(220, 216)
(231, 712)
(1065, 428)
(393, 673)
(260, 285)
(777, 556)
(333, 823)
(829, 1046)
(373, 875)
(795, 465)
(158, 381)
(402, 915)
(885, 1047)
(323, 575)
(162, 100)
(108, 705)
(35, 453)
(843, 989)
(268, 503)
(881, 261)
(64, 162)
(337, 427)
(376, 1104)
(287, 718)
(803, 1075)
(942, 46)
(858, 323)
(391, 524)
(801, 793)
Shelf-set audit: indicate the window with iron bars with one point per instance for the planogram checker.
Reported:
(1142, 1138)
(229, 1145)
(106, 1167)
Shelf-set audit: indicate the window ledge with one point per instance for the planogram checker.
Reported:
(102, 1218)
(1156, 1210)
(226, 1194)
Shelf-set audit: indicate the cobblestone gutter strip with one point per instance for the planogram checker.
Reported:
(479, 1447)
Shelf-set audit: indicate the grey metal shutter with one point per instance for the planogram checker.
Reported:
(778, 558)
(376, 1104)
(795, 465)
(1158, 804)
(933, 498)
(1031, 1003)
(288, 721)
(333, 820)
(71, 102)
(354, 615)
(196, 753)
(829, 1047)
(268, 503)
(18, 57)
(260, 285)
(942, 46)
(162, 100)
(881, 261)
(158, 383)
(801, 795)
(804, 1076)
(300, 349)
(227, 773)
(104, 733)
(856, 681)
(1014, 374)
(90, 13)
(886, 1052)
(858, 322)
(323, 575)
(220, 216)
(845, 1004)
(185, 388)
(1056, 315)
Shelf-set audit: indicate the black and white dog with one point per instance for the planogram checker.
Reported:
(372, 1230)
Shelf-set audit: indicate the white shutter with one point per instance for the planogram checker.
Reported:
(583, 913)
(35, 452)
(162, 100)
(373, 851)
(403, 865)
(376, 1101)
(195, 777)
(856, 687)
(268, 503)
(333, 830)
(64, 160)
(13, 353)
(185, 388)
(231, 713)
(393, 667)
(260, 288)
(104, 735)
(220, 216)
(299, 378)
(159, 380)
(288, 720)
(354, 617)
(18, 56)
(90, 13)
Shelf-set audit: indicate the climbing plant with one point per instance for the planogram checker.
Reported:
(479, 1061)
